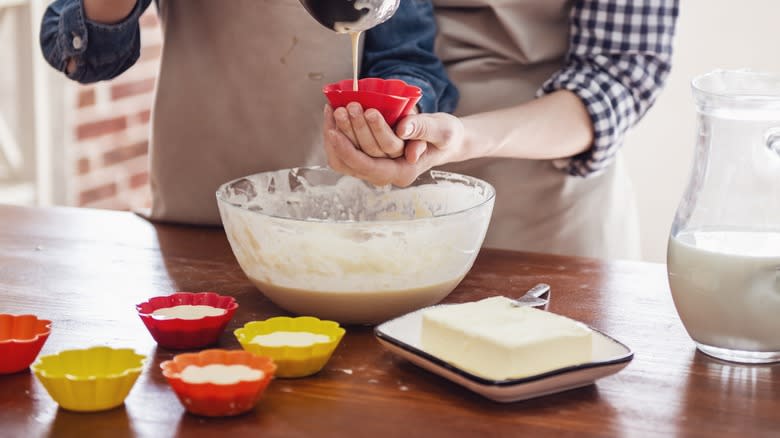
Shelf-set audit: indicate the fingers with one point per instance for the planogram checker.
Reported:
(330, 122)
(329, 128)
(388, 142)
(444, 134)
(432, 128)
(365, 137)
(414, 151)
(344, 125)
(409, 127)
(368, 131)
(336, 164)
(344, 158)
(339, 120)
(361, 144)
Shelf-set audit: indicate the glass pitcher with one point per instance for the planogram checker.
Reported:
(723, 257)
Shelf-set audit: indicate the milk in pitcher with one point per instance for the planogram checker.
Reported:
(726, 287)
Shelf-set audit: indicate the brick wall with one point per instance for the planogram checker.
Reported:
(108, 130)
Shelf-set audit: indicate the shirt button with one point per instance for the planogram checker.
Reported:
(77, 42)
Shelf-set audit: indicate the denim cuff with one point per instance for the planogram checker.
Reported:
(72, 37)
(94, 46)
(428, 102)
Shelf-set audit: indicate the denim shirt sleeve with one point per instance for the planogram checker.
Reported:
(101, 51)
(402, 48)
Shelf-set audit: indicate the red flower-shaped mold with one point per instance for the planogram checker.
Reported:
(182, 334)
(21, 339)
(393, 98)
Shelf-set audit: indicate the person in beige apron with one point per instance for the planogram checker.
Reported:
(499, 54)
(239, 90)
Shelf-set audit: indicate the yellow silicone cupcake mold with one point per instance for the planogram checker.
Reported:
(93, 379)
(293, 361)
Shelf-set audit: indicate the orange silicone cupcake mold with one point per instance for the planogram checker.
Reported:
(21, 339)
(218, 400)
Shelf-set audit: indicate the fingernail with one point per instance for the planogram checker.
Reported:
(408, 130)
(418, 154)
(353, 109)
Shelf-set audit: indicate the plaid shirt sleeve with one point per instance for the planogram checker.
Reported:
(618, 60)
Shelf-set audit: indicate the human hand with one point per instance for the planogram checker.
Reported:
(368, 131)
(431, 140)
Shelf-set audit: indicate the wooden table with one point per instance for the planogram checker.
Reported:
(86, 269)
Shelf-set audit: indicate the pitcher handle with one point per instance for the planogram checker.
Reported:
(773, 140)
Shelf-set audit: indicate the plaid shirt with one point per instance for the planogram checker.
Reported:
(619, 58)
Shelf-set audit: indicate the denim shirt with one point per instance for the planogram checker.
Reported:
(401, 48)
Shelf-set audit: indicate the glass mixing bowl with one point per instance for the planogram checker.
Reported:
(322, 244)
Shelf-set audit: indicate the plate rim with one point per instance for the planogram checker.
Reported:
(483, 381)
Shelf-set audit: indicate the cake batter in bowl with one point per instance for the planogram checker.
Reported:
(319, 243)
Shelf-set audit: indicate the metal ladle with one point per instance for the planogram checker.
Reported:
(345, 16)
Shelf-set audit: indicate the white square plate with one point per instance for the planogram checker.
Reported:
(402, 337)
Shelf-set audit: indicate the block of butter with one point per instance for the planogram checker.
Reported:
(493, 339)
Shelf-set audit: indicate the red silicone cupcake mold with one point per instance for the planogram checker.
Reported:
(393, 98)
(21, 339)
(218, 400)
(183, 334)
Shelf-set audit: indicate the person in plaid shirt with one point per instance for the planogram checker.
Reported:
(548, 90)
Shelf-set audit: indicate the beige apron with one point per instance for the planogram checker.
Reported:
(239, 93)
(499, 52)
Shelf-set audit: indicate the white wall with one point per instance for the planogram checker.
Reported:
(710, 34)
(21, 58)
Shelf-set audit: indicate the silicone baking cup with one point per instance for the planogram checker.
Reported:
(94, 379)
(21, 339)
(393, 98)
(214, 400)
(293, 361)
(183, 334)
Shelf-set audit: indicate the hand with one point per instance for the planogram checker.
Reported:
(431, 140)
(368, 131)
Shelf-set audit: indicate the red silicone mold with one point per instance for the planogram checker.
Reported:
(393, 98)
(21, 339)
(214, 400)
(183, 334)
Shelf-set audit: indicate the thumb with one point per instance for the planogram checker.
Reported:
(424, 127)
